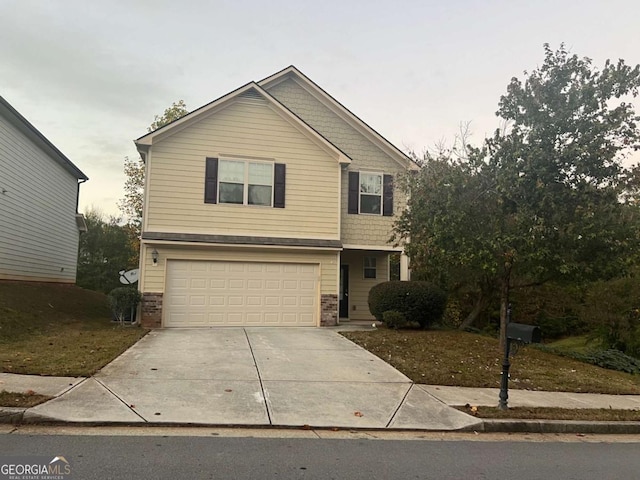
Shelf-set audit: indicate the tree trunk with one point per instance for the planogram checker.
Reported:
(504, 303)
(479, 306)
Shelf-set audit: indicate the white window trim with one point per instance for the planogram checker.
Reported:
(381, 175)
(245, 190)
(364, 267)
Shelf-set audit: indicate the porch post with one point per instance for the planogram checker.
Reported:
(404, 267)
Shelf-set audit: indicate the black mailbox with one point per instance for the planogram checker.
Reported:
(524, 333)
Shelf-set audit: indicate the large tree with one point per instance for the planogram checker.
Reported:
(132, 203)
(540, 200)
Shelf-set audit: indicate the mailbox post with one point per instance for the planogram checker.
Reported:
(516, 332)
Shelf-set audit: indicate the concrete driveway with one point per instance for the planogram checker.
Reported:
(251, 376)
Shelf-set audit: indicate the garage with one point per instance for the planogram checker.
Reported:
(219, 293)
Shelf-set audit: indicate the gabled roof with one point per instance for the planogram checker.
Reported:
(251, 89)
(340, 110)
(32, 133)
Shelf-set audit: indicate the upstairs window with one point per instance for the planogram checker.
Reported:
(371, 193)
(245, 182)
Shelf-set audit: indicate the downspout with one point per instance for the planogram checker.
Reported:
(80, 181)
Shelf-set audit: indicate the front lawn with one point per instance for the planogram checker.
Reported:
(49, 329)
(465, 359)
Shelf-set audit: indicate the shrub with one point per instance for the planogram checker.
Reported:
(420, 302)
(613, 310)
(610, 358)
(452, 316)
(123, 302)
(394, 319)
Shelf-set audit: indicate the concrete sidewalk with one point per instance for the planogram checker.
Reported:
(266, 377)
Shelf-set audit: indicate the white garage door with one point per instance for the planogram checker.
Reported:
(210, 293)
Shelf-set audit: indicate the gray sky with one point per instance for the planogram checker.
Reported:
(91, 75)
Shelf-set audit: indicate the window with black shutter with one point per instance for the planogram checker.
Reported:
(244, 182)
(370, 193)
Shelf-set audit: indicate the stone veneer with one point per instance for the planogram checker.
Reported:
(328, 310)
(151, 310)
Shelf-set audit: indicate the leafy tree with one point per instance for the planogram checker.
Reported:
(540, 200)
(132, 203)
(104, 251)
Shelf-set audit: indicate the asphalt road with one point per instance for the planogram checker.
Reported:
(179, 457)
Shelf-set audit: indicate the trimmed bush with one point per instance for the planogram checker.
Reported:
(419, 302)
(123, 302)
(394, 319)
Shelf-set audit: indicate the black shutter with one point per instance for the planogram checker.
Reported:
(279, 185)
(211, 181)
(387, 196)
(354, 191)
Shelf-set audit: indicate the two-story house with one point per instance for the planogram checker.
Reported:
(39, 221)
(272, 205)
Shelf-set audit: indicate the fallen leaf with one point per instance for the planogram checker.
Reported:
(306, 427)
(358, 414)
(228, 390)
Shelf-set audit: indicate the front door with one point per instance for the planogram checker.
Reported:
(344, 292)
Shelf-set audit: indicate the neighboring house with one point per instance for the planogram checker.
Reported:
(39, 220)
(272, 205)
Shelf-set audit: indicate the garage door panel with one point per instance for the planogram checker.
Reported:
(205, 293)
(306, 301)
(216, 300)
(307, 285)
(272, 285)
(254, 301)
(198, 267)
(215, 319)
(290, 284)
(197, 300)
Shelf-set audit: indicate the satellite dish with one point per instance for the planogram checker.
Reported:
(130, 277)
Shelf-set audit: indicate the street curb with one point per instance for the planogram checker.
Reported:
(11, 415)
(559, 426)
(16, 416)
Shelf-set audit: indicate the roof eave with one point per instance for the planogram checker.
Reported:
(144, 143)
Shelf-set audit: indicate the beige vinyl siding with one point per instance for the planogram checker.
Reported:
(245, 129)
(358, 285)
(370, 230)
(153, 278)
(365, 156)
(38, 234)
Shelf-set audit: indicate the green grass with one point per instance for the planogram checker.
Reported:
(580, 344)
(465, 359)
(51, 329)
